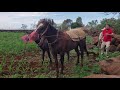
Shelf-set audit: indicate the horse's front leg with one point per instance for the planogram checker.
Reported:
(62, 62)
(56, 63)
(43, 54)
(49, 55)
(82, 54)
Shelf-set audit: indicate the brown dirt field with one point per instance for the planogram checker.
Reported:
(31, 62)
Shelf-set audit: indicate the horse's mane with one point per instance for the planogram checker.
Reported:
(50, 21)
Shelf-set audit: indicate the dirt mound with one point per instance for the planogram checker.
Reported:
(118, 48)
(116, 36)
(112, 48)
(111, 66)
(89, 46)
(102, 76)
(115, 40)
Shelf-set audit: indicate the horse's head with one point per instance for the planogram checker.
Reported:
(45, 28)
(42, 26)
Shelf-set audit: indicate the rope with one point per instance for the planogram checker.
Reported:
(55, 39)
(45, 31)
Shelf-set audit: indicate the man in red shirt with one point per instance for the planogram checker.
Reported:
(107, 34)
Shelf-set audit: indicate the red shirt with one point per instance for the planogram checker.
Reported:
(107, 37)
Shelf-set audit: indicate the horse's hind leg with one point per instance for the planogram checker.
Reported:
(85, 47)
(49, 55)
(77, 51)
(82, 51)
(62, 62)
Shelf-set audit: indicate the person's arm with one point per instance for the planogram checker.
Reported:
(110, 34)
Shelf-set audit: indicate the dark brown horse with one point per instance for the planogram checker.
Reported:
(45, 48)
(60, 43)
(43, 45)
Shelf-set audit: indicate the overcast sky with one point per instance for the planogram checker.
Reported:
(14, 20)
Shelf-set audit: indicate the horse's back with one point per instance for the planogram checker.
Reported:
(77, 33)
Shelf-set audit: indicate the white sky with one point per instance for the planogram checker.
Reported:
(14, 20)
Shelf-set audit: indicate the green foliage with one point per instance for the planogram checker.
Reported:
(40, 76)
(75, 25)
(110, 55)
(1, 67)
(3, 62)
(79, 21)
(114, 23)
(86, 70)
(93, 24)
(11, 44)
(89, 39)
(11, 64)
(66, 23)
(69, 23)
(23, 69)
(16, 76)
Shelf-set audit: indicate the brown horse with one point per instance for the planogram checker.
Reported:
(43, 45)
(60, 43)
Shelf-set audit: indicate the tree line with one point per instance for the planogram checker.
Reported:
(92, 25)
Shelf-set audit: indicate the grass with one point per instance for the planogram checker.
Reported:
(12, 45)
(89, 39)
(110, 55)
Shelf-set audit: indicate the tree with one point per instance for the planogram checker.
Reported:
(33, 26)
(114, 23)
(93, 24)
(74, 25)
(79, 21)
(66, 24)
(24, 26)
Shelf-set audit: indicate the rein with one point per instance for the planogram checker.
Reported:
(50, 35)
(55, 39)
